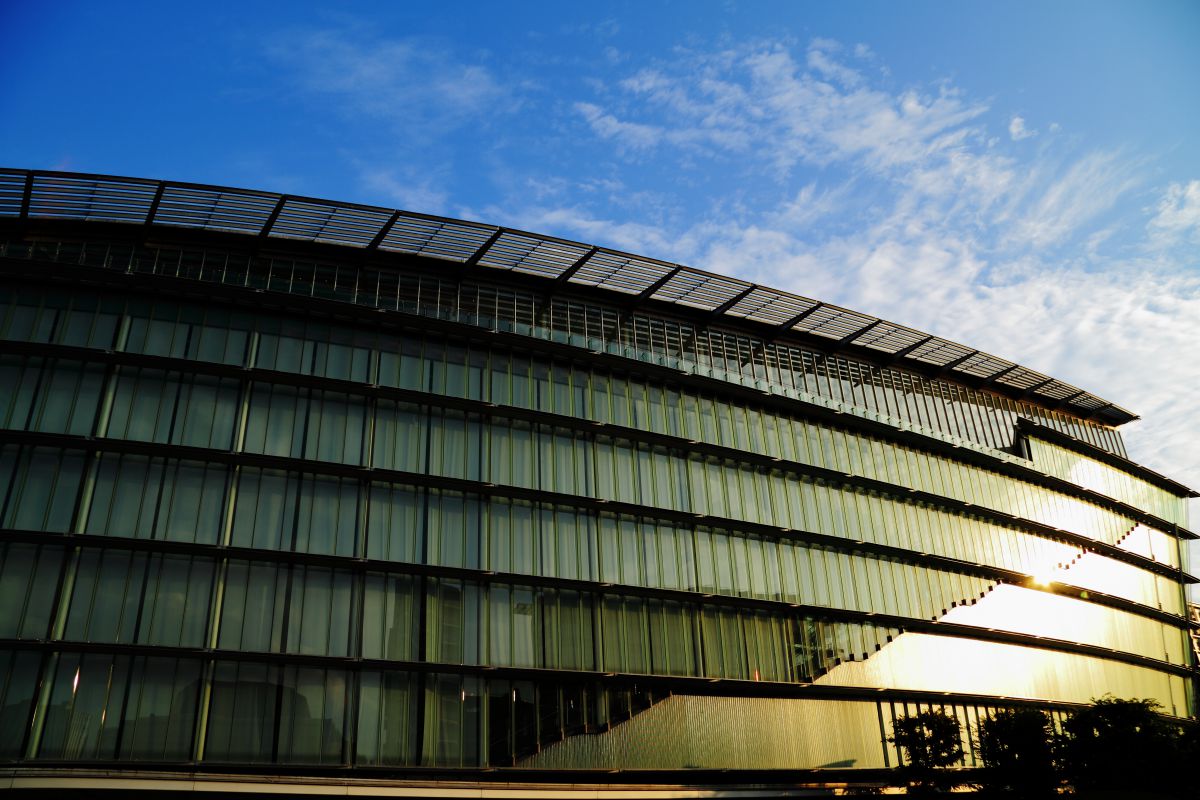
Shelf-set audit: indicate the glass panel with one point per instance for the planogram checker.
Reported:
(20, 675)
(146, 705)
(45, 487)
(29, 579)
(312, 720)
(390, 617)
(387, 719)
(242, 712)
(252, 610)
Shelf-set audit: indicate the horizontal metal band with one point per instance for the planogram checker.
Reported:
(716, 687)
(596, 505)
(373, 317)
(697, 598)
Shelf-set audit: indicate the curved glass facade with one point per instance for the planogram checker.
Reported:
(299, 509)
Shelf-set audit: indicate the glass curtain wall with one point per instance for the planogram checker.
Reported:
(878, 392)
(237, 540)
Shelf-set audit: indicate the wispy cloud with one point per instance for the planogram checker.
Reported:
(909, 208)
(759, 104)
(400, 103)
(822, 60)
(1177, 216)
(1089, 187)
(804, 167)
(1017, 130)
(421, 87)
(406, 188)
(632, 135)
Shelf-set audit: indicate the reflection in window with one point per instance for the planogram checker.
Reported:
(156, 498)
(312, 719)
(106, 707)
(387, 719)
(53, 396)
(29, 576)
(241, 717)
(390, 617)
(44, 487)
(20, 669)
(122, 596)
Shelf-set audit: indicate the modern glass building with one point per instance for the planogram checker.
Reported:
(313, 493)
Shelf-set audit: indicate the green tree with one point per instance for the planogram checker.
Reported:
(929, 742)
(1016, 748)
(1120, 745)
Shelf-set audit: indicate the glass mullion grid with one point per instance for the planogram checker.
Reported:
(607, 702)
(977, 413)
(305, 444)
(841, 582)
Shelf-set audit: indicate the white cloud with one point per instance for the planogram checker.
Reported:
(632, 135)
(421, 87)
(636, 237)
(759, 105)
(821, 54)
(903, 204)
(418, 192)
(1177, 215)
(809, 206)
(793, 168)
(1017, 130)
(1091, 186)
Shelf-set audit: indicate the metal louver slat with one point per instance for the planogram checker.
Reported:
(982, 365)
(243, 212)
(940, 352)
(620, 273)
(12, 190)
(357, 227)
(90, 199)
(1022, 378)
(699, 290)
(888, 337)
(529, 254)
(770, 306)
(1058, 390)
(832, 322)
(72, 196)
(435, 238)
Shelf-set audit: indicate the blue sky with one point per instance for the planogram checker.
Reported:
(1022, 177)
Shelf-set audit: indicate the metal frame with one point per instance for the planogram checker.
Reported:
(817, 413)
(49, 195)
(356, 472)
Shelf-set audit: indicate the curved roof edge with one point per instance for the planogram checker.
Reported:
(1041, 431)
(49, 195)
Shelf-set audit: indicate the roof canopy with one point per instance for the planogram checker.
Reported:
(37, 195)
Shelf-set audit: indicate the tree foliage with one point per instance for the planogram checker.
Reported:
(1116, 744)
(1119, 748)
(929, 742)
(1016, 748)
